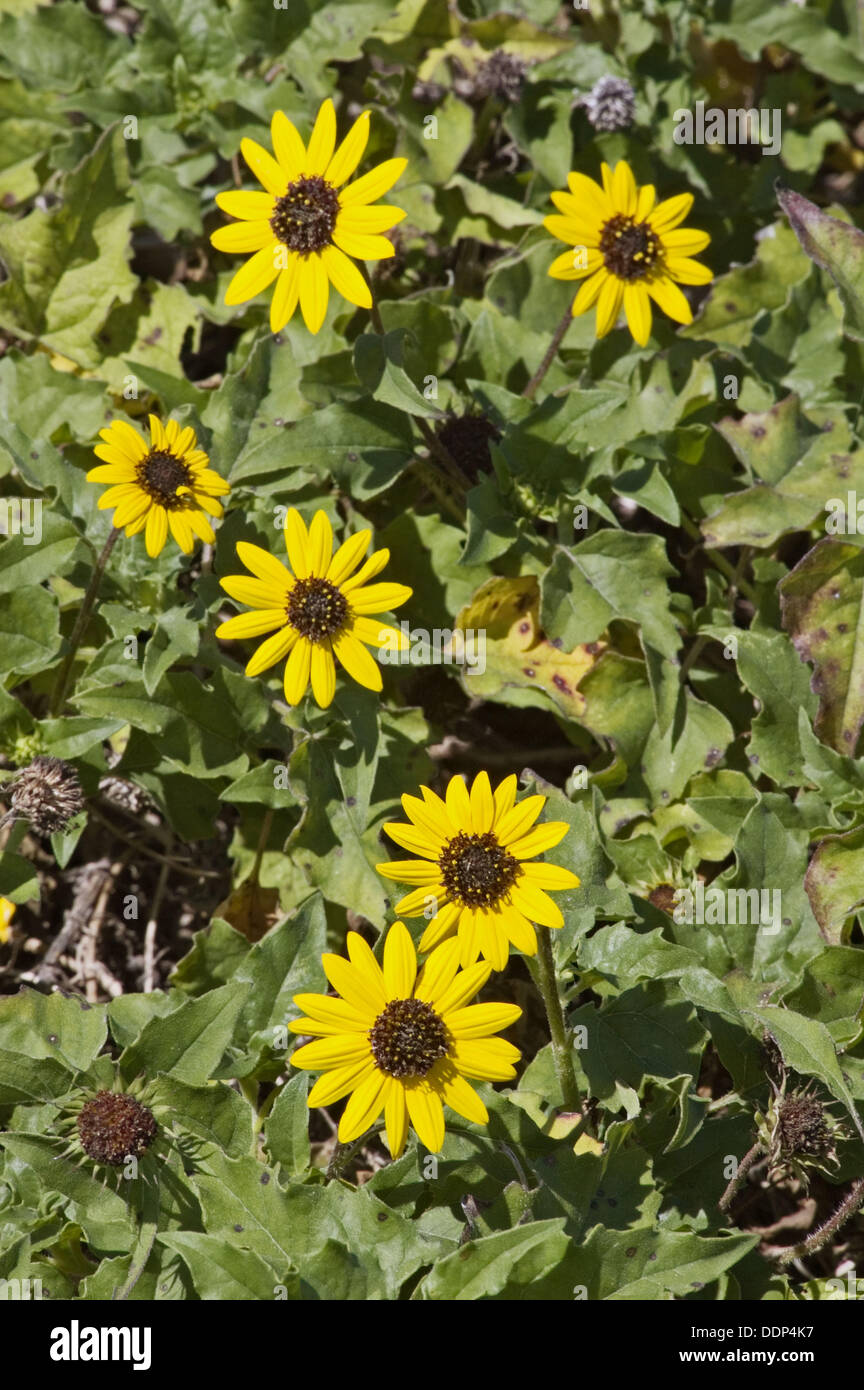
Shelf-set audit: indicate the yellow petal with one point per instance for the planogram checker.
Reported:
(156, 533)
(323, 674)
(504, 798)
(314, 291)
(489, 1059)
(456, 1092)
(364, 1107)
(462, 988)
(346, 278)
(287, 145)
(589, 291)
(254, 275)
(285, 295)
(669, 213)
(297, 543)
(438, 973)
(264, 566)
(409, 871)
(348, 556)
(339, 1050)
(258, 593)
(538, 840)
(243, 236)
(361, 990)
(251, 206)
(349, 153)
(670, 299)
(550, 876)
(275, 649)
(332, 1086)
(637, 307)
(537, 905)
(322, 141)
(373, 184)
(369, 221)
(518, 821)
(362, 959)
(297, 669)
(357, 661)
(479, 1020)
(424, 1108)
(378, 598)
(320, 544)
(482, 805)
(363, 247)
(400, 962)
(688, 272)
(609, 305)
(395, 1117)
(264, 167)
(458, 803)
(251, 624)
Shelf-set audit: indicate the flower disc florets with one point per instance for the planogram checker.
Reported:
(113, 1127)
(408, 1038)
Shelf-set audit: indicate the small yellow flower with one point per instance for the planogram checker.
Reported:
(473, 850)
(403, 1044)
(167, 483)
(317, 612)
(627, 250)
(306, 225)
(7, 912)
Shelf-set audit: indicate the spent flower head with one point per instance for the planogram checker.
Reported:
(47, 794)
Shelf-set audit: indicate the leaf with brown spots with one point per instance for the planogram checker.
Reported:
(821, 603)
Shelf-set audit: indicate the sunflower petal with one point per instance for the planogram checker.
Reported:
(349, 153)
(400, 962)
(264, 167)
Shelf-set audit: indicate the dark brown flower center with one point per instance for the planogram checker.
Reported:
(408, 1038)
(630, 249)
(160, 474)
(305, 215)
(317, 609)
(476, 870)
(113, 1127)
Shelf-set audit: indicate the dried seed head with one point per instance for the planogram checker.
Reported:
(802, 1127)
(466, 439)
(113, 1127)
(611, 104)
(47, 794)
(502, 76)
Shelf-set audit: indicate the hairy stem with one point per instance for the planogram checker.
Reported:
(557, 338)
(561, 1050)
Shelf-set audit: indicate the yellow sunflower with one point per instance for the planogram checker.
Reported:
(402, 1043)
(627, 250)
(7, 912)
(472, 868)
(167, 483)
(317, 610)
(306, 224)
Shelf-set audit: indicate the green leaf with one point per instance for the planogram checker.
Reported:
(612, 574)
(68, 266)
(222, 1272)
(806, 1046)
(835, 883)
(287, 1134)
(190, 1042)
(836, 247)
(53, 1025)
(821, 602)
(499, 1265)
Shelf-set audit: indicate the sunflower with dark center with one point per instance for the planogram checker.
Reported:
(403, 1043)
(306, 225)
(318, 611)
(627, 248)
(473, 868)
(166, 484)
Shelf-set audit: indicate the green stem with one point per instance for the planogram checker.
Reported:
(557, 338)
(719, 561)
(63, 677)
(561, 1050)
